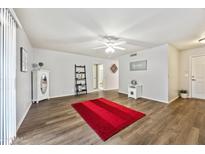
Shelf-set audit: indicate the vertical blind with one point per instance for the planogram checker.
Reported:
(7, 77)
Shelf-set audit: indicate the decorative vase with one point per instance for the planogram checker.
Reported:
(184, 95)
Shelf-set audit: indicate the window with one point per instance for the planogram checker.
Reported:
(7, 77)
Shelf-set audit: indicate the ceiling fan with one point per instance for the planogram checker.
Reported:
(110, 43)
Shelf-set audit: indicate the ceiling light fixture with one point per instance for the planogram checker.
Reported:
(109, 50)
(202, 40)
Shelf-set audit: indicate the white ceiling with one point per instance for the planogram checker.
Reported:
(77, 30)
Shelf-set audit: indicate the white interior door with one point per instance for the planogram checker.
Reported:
(95, 85)
(198, 77)
(100, 76)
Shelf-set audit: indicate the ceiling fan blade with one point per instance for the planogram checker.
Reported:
(103, 42)
(119, 43)
(120, 48)
(138, 43)
(102, 47)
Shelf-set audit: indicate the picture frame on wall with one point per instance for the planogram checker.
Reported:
(24, 60)
(138, 65)
(113, 68)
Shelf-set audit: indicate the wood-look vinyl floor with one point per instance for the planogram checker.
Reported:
(54, 121)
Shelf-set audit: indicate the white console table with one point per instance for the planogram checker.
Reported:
(134, 91)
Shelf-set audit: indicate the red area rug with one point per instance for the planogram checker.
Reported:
(106, 117)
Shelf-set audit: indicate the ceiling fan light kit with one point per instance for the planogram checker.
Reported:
(111, 44)
(109, 50)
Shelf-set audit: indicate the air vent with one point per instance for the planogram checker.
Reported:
(133, 55)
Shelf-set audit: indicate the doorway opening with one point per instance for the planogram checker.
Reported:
(98, 76)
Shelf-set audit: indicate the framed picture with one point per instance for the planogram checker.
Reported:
(114, 68)
(138, 65)
(24, 60)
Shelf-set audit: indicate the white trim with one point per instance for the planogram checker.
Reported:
(95, 90)
(18, 23)
(109, 89)
(73, 94)
(122, 92)
(57, 96)
(190, 74)
(174, 99)
(158, 100)
(23, 117)
(145, 97)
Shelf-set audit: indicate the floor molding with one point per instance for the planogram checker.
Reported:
(152, 99)
(122, 92)
(58, 96)
(92, 91)
(174, 99)
(109, 89)
(22, 118)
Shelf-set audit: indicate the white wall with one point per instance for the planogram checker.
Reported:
(154, 79)
(23, 79)
(185, 66)
(173, 72)
(111, 81)
(61, 67)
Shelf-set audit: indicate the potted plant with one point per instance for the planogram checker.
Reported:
(183, 93)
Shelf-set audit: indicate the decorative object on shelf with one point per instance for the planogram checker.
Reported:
(114, 68)
(183, 93)
(134, 82)
(24, 59)
(138, 65)
(134, 91)
(40, 85)
(40, 64)
(80, 80)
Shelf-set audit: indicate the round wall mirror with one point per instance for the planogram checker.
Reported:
(44, 83)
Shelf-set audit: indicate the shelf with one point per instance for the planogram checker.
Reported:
(79, 84)
(80, 75)
(80, 78)
(80, 66)
(82, 90)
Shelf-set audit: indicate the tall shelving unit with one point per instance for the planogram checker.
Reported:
(80, 80)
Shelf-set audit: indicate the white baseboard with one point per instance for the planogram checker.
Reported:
(91, 91)
(158, 100)
(110, 89)
(122, 92)
(57, 96)
(173, 99)
(23, 117)
(66, 95)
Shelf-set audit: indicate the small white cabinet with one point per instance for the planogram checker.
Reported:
(40, 85)
(134, 91)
